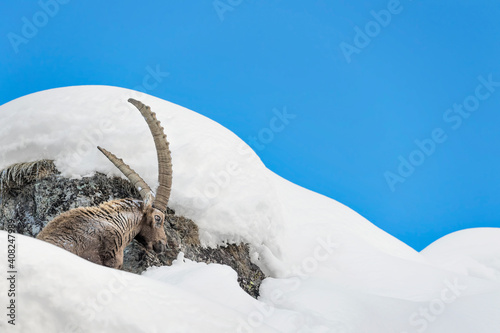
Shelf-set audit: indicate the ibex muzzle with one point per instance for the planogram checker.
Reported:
(100, 234)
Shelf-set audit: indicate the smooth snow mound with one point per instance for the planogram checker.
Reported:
(331, 270)
(57, 291)
(60, 292)
(472, 252)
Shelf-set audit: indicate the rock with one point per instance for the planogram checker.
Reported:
(30, 201)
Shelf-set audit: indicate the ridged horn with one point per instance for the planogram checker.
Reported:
(135, 179)
(163, 153)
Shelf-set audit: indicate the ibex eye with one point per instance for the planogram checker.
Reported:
(158, 221)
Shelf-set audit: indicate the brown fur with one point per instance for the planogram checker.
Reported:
(19, 174)
(100, 234)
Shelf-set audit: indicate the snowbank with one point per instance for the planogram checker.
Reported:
(219, 182)
(332, 270)
(472, 252)
(60, 292)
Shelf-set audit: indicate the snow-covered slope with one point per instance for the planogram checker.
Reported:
(461, 252)
(332, 270)
(218, 181)
(60, 292)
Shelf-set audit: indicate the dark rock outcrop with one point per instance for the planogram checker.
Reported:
(31, 201)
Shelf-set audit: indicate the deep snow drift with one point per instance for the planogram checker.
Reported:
(331, 270)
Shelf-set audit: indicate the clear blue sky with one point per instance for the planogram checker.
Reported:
(364, 79)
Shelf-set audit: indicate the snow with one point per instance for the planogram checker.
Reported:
(330, 269)
(79, 296)
(460, 252)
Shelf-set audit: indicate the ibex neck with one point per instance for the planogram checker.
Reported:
(127, 217)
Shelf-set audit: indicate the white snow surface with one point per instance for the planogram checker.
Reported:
(330, 269)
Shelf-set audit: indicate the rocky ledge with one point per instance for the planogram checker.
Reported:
(32, 194)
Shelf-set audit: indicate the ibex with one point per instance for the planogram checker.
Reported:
(100, 234)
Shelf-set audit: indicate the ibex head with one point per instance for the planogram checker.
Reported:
(154, 207)
(152, 234)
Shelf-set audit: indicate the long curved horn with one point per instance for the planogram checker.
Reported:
(163, 152)
(135, 179)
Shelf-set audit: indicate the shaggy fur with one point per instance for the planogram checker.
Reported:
(20, 174)
(100, 234)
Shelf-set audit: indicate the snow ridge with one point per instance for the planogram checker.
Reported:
(330, 269)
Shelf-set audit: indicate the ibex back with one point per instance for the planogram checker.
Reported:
(100, 234)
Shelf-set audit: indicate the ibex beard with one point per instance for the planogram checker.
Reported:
(100, 234)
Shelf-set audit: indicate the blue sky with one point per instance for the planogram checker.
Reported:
(394, 106)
